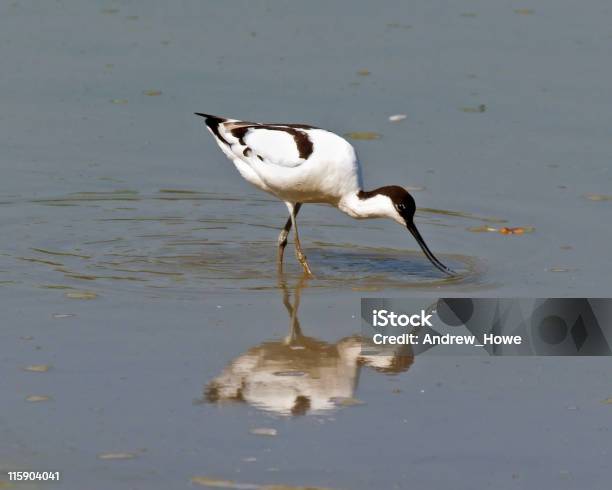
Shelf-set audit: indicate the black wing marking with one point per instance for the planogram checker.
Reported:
(239, 130)
(302, 141)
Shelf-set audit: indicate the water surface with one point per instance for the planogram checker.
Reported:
(137, 273)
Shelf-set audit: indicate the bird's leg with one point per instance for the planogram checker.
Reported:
(282, 243)
(298, 247)
(282, 237)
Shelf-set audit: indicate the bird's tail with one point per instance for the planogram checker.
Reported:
(213, 123)
(211, 119)
(210, 116)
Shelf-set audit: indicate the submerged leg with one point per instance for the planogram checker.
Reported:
(282, 237)
(298, 247)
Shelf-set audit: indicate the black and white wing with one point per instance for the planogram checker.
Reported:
(286, 145)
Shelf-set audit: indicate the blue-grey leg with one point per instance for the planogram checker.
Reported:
(282, 237)
(298, 247)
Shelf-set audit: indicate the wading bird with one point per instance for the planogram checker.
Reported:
(298, 164)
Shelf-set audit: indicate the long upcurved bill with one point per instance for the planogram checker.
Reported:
(432, 258)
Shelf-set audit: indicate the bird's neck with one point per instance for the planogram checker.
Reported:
(364, 205)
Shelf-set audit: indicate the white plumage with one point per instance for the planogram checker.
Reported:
(299, 164)
(323, 173)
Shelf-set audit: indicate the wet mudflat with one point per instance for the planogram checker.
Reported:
(146, 340)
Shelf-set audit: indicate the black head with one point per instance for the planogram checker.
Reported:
(400, 197)
(406, 207)
(404, 203)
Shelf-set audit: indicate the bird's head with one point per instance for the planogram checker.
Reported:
(399, 205)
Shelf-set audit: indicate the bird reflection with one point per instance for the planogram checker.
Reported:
(298, 374)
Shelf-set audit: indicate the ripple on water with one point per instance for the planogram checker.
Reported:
(105, 250)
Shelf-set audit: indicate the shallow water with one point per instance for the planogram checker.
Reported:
(187, 242)
(137, 268)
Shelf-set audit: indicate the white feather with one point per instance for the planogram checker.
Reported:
(270, 160)
(275, 147)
